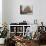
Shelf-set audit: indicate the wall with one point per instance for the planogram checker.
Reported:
(4, 11)
(16, 11)
(0, 13)
(12, 13)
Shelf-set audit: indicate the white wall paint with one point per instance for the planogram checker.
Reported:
(0, 13)
(12, 11)
(16, 11)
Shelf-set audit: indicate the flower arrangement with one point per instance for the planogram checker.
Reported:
(4, 32)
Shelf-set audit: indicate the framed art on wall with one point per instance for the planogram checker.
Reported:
(26, 9)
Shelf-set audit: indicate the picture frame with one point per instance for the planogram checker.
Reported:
(26, 9)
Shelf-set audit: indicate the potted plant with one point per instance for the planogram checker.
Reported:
(3, 34)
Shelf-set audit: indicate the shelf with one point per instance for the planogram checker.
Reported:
(19, 32)
(23, 25)
(19, 27)
(12, 32)
(16, 32)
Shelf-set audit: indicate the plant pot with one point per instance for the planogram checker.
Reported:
(2, 40)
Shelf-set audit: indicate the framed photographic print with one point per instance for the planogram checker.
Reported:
(26, 9)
